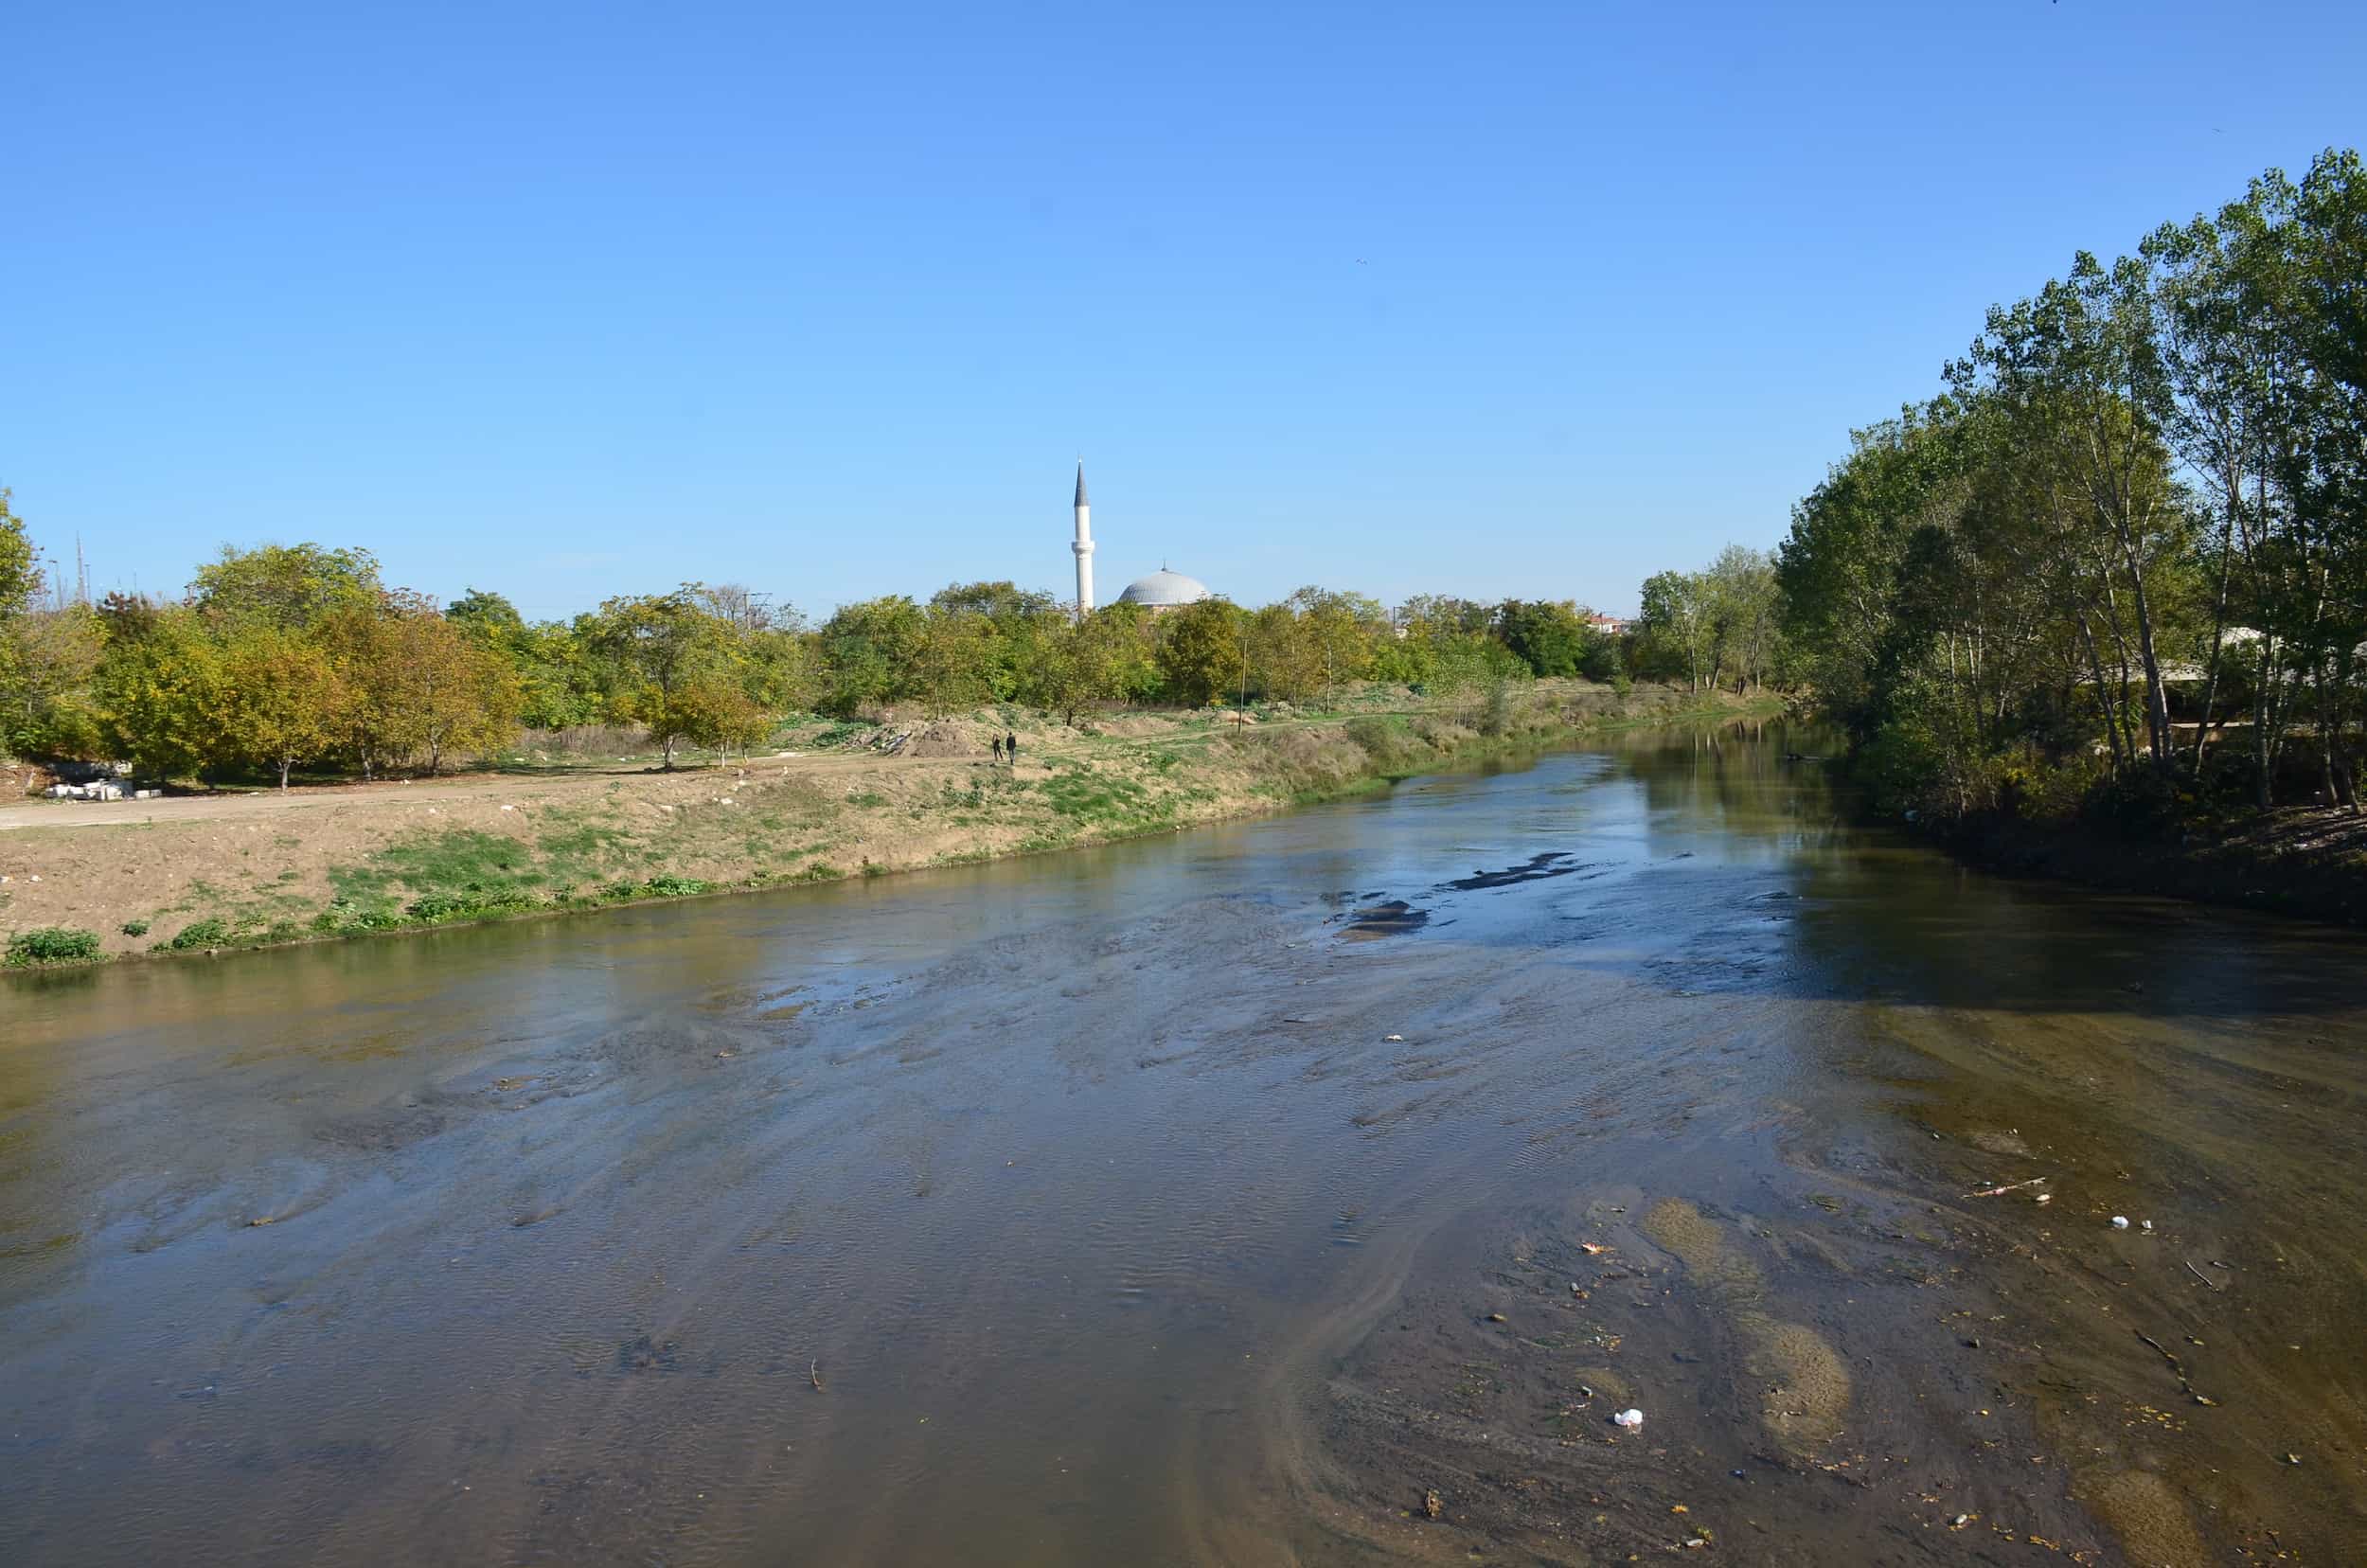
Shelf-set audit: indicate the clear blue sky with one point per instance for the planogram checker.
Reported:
(574, 299)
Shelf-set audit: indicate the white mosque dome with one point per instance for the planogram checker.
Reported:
(1163, 590)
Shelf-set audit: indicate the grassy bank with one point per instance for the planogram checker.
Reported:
(328, 864)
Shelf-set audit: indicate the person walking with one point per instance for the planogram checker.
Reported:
(998, 750)
(1010, 747)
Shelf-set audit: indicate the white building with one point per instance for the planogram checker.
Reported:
(1083, 548)
(1164, 590)
(1161, 590)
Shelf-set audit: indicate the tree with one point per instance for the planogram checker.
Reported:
(1200, 652)
(1548, 637)
(375, 722)
(663, 643)
(713, 709)
(459, 695)
(2078, 370)
(1836, 573)
(47, 659)
(1744, 606)
(1279, 653)
(1677, 618)
(290, 586)
(281, 695)
(20, 566)
(997, 602)
(1341, 631)
(869, 651)
(161, 689)
(956, 664)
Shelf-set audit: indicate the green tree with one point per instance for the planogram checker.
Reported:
(48, 660)
(2079, 373)
(1200, 654)
(161, 690)
(20, 566)
(868, 652)
(1549, 637)
(956, 664)
(996, 601)
(664, 643)
(290, 586)
(1677, 622)
(1341, 631)
(1746, 609)
(558, 667)
(1282, 658)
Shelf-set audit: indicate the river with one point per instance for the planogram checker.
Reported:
(1314, 1190)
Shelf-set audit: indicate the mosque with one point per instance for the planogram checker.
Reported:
(1161, 590)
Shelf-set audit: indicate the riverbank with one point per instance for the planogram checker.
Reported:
(2305, 861)
(209, 873)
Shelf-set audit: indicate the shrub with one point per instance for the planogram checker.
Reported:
(200, 933)
(2138, 802)
(47, 945)
(1497, 717)
(472, 904)
(135, 928)
(656, 887)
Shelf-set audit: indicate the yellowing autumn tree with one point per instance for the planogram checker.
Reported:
(284, 692)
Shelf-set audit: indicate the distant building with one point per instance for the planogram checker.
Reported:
(1161, 590)
(1164, 590)
(1083, 548)
(1609, 626)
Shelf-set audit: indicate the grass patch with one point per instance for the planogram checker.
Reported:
(441, 908)
(459, 861)
(1092, 797)
(51, 946)
(209, 932)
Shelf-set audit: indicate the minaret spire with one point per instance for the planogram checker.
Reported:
(1083, 547)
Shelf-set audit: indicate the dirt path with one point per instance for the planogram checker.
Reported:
(403, 792)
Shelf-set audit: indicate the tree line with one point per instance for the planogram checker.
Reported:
(282, 659)
(2121, 555)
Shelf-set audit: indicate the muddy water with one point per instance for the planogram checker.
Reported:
(1313, 1190)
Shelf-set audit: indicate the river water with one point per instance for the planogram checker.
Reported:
(1308, 1191)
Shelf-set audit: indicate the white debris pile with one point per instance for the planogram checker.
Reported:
(104, 788)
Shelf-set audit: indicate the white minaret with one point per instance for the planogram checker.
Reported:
(1084, 545)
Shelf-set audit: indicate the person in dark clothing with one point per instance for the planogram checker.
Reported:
(1010, 747)
(998, 750)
